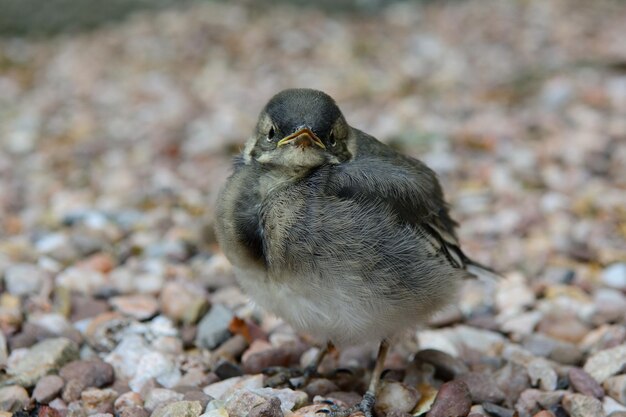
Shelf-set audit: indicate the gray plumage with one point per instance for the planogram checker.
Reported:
(335, 232)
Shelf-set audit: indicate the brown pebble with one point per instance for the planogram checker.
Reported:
(584, 383)
(285, 355)
(453, 400)
(89, 373)
(48, 388)
(270, 408)
(544, 413)
(134, 412)
(446, 366)
(482, 387)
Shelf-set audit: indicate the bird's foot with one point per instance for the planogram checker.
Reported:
(366, 407)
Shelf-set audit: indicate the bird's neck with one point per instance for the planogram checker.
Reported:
(277, 177)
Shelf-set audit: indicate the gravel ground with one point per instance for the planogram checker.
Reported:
(116, 299)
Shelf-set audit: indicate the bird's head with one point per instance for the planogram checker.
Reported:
(300, 129)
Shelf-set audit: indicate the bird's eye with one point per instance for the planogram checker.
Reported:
(270, 134)
(332, 139)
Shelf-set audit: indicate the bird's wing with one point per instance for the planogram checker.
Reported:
(408, 187)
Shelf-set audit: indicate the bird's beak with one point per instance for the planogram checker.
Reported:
(302, 138)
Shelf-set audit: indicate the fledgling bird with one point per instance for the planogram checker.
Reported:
(337, 233)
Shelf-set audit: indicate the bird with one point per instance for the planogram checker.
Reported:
(345, 238)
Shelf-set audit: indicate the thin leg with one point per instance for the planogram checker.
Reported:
(311, 370)
(366, 406)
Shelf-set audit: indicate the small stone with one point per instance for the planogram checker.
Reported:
(582, 382)
(453, 399)
(544, 413)
(611, 406)
(289, 399)
(182, 302)
(88, 373)
(606, 363)
(482, 387)
(4, 353)
(512, 380)
(155, 365)
(23, 279)
(313, 410)
(615, 276)
(221, 390)
(158, 397)
(563, 352)
(83, 280)
(97, 400)
(43, 358)
(615, 387)
(134, 411)
(270, 408)
(446, 366)
(579, 405)
(240, 402)
(13, 398)
(140, 306)
(542, 374)
(254, 361)
(497, 411)
(213, 328)
(567, 328)
(199, 396)
(225, 369)
(396, 396)
(320, 386)
(127, 400)
(48, 388)
(179, 409)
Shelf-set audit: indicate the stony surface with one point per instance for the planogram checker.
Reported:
(116, 300)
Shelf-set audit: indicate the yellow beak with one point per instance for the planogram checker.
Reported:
(303, 137)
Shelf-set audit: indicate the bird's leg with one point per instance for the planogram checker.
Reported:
(366, 406)
(311, 370)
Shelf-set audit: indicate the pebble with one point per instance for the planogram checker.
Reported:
(222, 389)
(43, 358)
(157, 397)
(88, 373)
(611, 406)
(541, 373)
(83, 280)
(127, 400)
(48, 388)
(446, 366)
(182, 302)
(134, 411)
(615, 276)
(513, 380)
(482, 387)
(139, 306)
(179, 409)
(545, 346)
(615, 387)
(23, 279)
(606, 363)
(199, 396)
(95, 400)
(270, 408)
(255, 361)
(13, 398)
(453, 399)
(289, 399)
(579, 405)
(213, 328)
(155, 365)
(4, 353)
(396, 396)
(564, 327)
(582, 382)
(240, 402)
(497, 411)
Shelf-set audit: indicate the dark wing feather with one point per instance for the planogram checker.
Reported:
(408, 187)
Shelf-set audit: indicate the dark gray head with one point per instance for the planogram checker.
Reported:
(300, 128)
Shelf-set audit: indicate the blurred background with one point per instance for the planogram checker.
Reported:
(118, 121)
(519, 106)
